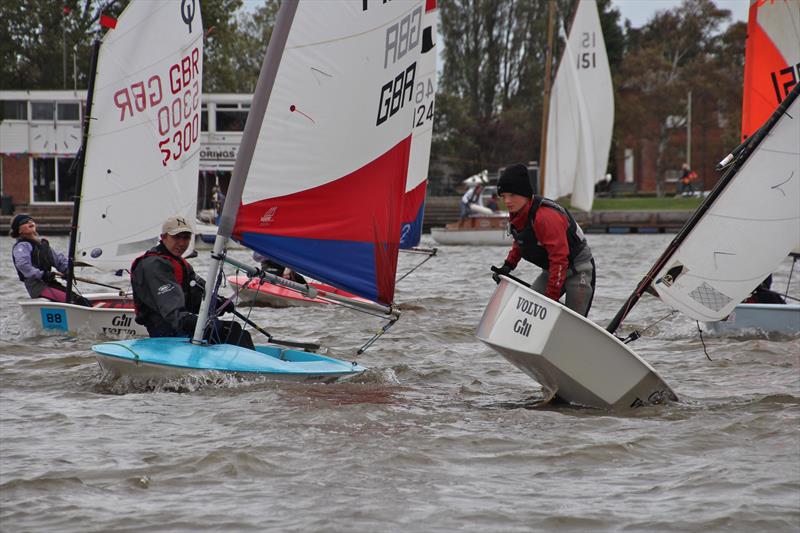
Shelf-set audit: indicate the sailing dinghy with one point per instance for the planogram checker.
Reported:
(139, 159)
(262, 292)
(741, 231)
(331, 118)
(581, 113)
(772, 56)
(482, 227)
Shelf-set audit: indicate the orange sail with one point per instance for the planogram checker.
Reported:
(772, 59)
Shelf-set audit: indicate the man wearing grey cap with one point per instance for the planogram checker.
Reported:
(167, 293)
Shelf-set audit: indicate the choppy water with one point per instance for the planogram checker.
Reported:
(436, 437)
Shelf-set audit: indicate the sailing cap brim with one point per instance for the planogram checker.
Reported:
(176, 224)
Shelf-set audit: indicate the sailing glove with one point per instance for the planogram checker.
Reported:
(504, 270)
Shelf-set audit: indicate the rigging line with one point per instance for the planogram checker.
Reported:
(635, 335)
(791, 271)
(700, 331)
(416, 267)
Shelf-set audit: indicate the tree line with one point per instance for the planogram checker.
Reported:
(492, 55)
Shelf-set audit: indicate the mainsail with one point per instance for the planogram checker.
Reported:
(772, 59)
(581, 114)
(143, 150)
(324, 191)
(424, 94)
(742, 231)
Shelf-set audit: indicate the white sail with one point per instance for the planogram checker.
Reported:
(581, 114)
(143, 150)
(325, 187)
(746, 232)
(424, 95)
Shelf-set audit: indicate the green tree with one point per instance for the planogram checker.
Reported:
(489, 105)
(36, 36)
(677, 51)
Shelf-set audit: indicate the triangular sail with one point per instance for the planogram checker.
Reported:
(143, 151)
(750, 228)
(325, 186)
(424, 94)
(741, 232)
(772, 59)
(581, 115)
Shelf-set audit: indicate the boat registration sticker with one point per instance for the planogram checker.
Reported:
(54, 319)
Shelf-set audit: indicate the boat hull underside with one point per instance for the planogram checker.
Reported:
(567, 354)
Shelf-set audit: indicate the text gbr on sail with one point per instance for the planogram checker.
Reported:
(402, 37)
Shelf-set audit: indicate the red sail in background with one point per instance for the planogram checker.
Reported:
(772, 59)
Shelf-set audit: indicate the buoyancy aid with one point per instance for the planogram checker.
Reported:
(41, 256)
(528, 244)
(180, 267)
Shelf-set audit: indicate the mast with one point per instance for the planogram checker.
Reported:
(76, 204)
(739, 156)
(266, 80)
(546, 102)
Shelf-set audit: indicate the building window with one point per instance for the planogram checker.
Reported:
(68, 111)
(230, 117)
(52, 179)
(204, 118)
(14, 110)
(43, 110)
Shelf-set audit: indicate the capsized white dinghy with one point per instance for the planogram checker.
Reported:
(309, 140)
(719, 256)
(570, 356)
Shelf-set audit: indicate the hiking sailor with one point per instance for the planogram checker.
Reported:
(167, 293)
(546, 235)
(35, 260)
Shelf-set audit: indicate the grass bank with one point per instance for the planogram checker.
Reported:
(633, 203)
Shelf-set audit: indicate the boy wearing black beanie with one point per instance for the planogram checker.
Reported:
(546, 235)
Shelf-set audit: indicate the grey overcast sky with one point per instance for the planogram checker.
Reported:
(640, 11)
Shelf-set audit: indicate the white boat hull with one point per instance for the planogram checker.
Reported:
(113, 317)
(567, 354)
(764, 317)
(480, 230)
(474, 237)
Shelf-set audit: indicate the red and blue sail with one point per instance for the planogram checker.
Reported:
(325, 190)
(424, 95)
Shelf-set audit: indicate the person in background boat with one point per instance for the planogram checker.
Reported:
(167, 293)
(492, 203)
(546, 235)
(470, 198)
(687, 177)
(763, 294)
(34, 261)
(276, 269)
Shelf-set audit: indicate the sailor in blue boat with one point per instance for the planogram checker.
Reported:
(167, 293)
(470, 198)
(36, 263)
(277, 269)
(546, 235)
